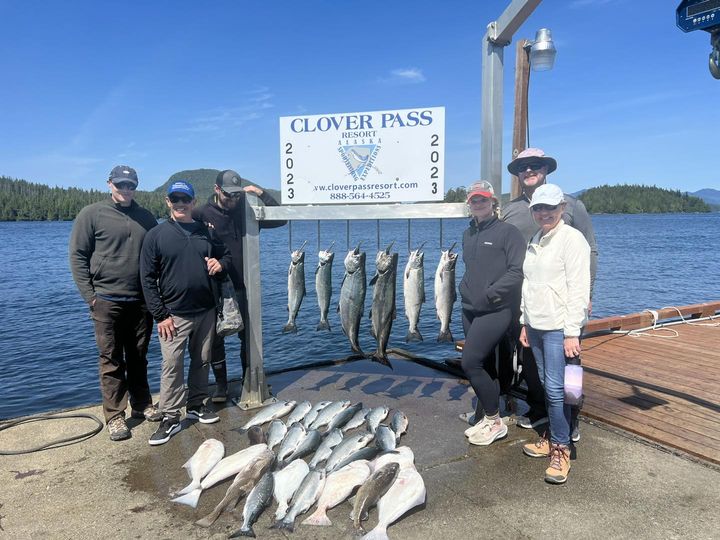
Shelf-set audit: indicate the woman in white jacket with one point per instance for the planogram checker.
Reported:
(554, 308)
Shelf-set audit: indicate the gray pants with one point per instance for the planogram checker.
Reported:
(196, 332)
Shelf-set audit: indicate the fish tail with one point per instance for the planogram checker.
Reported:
(378, 533)
(324, 325)
(243, 532)
(191, 498)
(318, 518)
(381, 359)
(187, 489)
(205, 522)
(445, 336)
(286, 525)
(413, 335)
(290, 327)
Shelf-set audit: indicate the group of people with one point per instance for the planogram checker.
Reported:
(528, 279)
(131, 270)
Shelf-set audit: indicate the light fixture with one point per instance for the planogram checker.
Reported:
(542, 51)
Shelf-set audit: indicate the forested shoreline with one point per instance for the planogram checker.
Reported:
(21, 200)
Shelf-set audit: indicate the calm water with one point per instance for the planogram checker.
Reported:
(47, 351)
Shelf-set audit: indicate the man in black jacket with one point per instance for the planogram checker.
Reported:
(104, 259)
(179, 258)
(225, 212)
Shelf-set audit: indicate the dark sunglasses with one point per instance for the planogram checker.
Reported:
(125, 185)
(532, 165)
(180, 199)
(544, 207)
(231, 195)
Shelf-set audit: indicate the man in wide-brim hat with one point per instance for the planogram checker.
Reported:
(532, 166)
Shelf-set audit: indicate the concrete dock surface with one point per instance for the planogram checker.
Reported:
(619, 486)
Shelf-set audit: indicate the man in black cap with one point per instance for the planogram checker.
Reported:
(104, 250)
(225, 212)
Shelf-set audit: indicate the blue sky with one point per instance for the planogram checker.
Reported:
(170, 85)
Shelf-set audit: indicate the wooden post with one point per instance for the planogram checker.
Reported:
(522, 80)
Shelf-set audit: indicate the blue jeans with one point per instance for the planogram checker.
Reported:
(547, 347)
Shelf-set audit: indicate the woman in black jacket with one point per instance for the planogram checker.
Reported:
(493, 252)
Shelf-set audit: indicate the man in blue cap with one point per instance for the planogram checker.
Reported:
(105, 260)
(178, 260)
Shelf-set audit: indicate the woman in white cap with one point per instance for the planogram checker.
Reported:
(493, 253)
(554, 308)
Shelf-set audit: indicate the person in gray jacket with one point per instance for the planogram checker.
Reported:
(104, 255)
(532, 166)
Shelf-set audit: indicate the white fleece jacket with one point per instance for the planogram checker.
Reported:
(556, 288)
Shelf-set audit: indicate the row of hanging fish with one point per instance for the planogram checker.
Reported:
(344, 461)
(383, 310)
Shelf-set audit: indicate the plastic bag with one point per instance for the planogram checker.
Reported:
(229, 318)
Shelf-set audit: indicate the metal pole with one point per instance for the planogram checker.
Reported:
(255, 390)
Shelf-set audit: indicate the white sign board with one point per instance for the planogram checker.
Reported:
(366, 157)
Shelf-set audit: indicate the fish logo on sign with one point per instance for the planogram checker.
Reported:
(359, 158)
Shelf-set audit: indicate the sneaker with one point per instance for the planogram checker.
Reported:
(202, 414)
(540, 448)
(118, 429)
(489, 433)
(149, 413)
(531, 421)
(168, 427)
(559, 466)
(473, 429)
(468, 417)
(220, 395)
(575, 432)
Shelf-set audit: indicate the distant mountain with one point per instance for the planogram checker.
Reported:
(710, 196)
(203, 182)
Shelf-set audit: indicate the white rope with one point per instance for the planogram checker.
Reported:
(645, 332)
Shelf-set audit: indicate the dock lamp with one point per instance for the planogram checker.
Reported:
(542, 51)
(702, 15)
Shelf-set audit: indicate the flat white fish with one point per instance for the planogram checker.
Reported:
(287, 481)
(226, 467)
(312, 414)
(414, 292)
(276, 433)
(271, 412)
(407, 492)
(299, 412)
(306, 495)
(338, 487)
(445, 293)
(208, 454)
(402, 455)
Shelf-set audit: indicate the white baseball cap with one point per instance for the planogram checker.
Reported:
(549, 194)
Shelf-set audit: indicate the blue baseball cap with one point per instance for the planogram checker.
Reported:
(182, 187)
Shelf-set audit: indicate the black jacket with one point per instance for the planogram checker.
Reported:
(230, 227)
(493, 252)
(174, 272)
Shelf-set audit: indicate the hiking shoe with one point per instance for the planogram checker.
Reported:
(202, 414)
(559, 466)
(168, 427)
(118, 429)
(149, 413)
(531, 421)
(220, 395)
(540, 448)
(488, 433)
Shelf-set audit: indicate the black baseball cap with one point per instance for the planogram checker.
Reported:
(123, 173)
(229, 181)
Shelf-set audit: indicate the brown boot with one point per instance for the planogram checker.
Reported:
(559, 466)
(540, 448)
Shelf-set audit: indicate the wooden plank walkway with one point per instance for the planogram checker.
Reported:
(665, 389)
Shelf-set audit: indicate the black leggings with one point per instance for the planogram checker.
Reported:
(483, 331)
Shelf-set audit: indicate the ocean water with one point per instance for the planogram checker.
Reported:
(48, 358)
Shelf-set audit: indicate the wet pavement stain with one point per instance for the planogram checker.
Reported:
(19, 475)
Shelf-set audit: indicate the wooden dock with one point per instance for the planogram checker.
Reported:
(662, 384)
